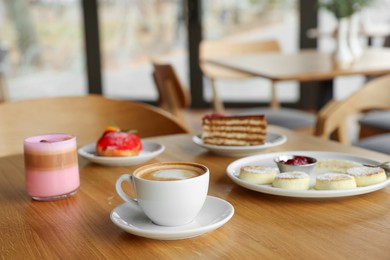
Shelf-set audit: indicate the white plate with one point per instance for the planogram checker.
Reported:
(272, 140)
(149, 151)
(215, 213)
(233, 171)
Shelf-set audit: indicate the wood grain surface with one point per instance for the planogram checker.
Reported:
(263, 226)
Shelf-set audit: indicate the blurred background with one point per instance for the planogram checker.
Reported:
(43, 44)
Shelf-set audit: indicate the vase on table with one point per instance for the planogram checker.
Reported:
(355, 44)
(342, 55)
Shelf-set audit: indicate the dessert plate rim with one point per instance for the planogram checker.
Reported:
(149, 151)
(272, 140)
(267, 160)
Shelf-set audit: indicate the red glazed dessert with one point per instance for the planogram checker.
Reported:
(115, 142)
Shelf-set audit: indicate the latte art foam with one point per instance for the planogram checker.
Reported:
(171, 173)
(179, 174)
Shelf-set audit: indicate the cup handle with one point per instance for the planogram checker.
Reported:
(119, 190)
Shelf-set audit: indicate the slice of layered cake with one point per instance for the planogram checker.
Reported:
(234, 130)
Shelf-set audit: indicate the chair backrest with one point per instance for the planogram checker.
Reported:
(220, 49)
(173, 96)
(331, 119)
(4, 96)
(83, 116)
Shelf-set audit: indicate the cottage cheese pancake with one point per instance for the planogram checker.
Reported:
(292, 181)
(258, 174)
(335, 166)
(365, 176)
(334, 181)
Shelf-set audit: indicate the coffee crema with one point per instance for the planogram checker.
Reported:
(171, 173)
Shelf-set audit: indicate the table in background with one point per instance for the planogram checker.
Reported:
(307, 65)
(263, 227)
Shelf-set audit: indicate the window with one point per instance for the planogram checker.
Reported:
(42, 43)
(133, 33)
(247, 20)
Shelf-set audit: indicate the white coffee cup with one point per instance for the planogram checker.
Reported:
(169, 193)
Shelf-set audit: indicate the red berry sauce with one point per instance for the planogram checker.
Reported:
(297, 160)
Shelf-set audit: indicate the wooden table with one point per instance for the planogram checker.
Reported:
(263, 226)
(306, 66)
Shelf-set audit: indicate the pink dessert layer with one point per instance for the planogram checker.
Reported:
(44, 184)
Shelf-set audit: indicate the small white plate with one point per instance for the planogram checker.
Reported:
(215, 213)
(149, 151)
(273, 139)
(233, 171)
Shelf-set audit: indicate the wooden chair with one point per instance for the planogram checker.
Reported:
(172, 95)
(4, 96)
(83, 116)
(291, 118)
(332, 118)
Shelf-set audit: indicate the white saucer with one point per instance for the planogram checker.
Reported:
(149, 151)
(215, 213)
(272, 139)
